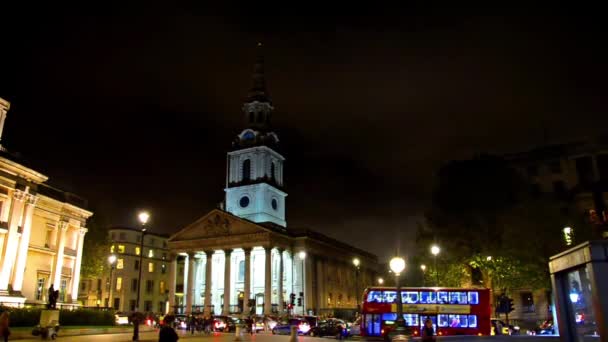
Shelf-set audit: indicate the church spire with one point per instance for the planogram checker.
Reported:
(258, 91)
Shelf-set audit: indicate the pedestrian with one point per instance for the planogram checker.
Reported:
(4, 323)
(166, 333)
(428, 333)
(192, 324)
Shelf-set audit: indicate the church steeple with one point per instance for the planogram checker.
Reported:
(258, 91)
(258, 107)
(255, 169)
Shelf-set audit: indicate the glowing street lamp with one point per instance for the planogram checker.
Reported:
(435, 251)
(397, 265)
(356, 263)
(489, 258)
(302, 256)
(423, 269)
(112, 261)
(143, 217)
(380, 281)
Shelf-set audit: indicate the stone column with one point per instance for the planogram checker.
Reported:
(12, 239)
(320, 276)
(280, 282)
(172, 281)
(63, 226)
(267, 281)
(227, 262)
(78, 263)
(24, 243)
(247, 284)
(190, 286)
(208, 270)
(196, 300)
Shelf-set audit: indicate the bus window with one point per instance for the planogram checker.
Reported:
(458, 297)
(442, 297)
(444, 321)
(409, 297)
(473, 297)
(390, 296)
(458, 321)
(472, 321)
(374, 297)
(411, 320)
(389, 316)
(428, 297)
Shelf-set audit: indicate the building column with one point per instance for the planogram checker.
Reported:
(76, 275)
(63, 226)
(247, 284)
(280, 282)
(172, 281)
(267, 280)
(190, 286)
(24, 243)
(320, 276)
(11, 239)
(227, 262)
(208, 270)
(196, 300)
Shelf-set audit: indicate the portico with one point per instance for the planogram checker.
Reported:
(230, 260)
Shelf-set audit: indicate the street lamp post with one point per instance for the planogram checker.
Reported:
(302, 256)
(112, 261)
(397, 265)
(435, 251)
(356, 263)
(143, 219)
(423, 269)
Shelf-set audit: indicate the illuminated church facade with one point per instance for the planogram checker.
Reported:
(242, 258)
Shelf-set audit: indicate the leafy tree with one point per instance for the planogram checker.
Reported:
(95, 249)
(485, 221)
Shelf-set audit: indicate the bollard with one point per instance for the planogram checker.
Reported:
(293, 336)
(238, 335)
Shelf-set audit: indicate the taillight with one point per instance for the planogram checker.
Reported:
(382, 331)
(440, 333)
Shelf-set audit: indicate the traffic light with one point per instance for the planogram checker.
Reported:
(510, 305)
(300, 301)
(292, 298)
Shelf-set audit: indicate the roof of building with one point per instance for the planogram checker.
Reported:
(561, 150)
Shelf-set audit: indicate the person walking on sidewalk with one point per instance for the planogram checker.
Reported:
(4, 323)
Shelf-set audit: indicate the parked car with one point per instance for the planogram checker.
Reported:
(506, 329)
(330, 327)
(262, 321)
(285, 327)
(122, 318)
(180, 322)
(355, 327)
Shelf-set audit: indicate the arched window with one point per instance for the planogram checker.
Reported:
(272, 172)
(247, 170)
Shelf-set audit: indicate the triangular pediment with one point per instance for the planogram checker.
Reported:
(216, 223)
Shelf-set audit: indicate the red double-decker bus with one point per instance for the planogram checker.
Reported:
(453, 311)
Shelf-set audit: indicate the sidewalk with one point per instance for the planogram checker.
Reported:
(19, 333)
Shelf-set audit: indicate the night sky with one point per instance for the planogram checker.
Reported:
(137, 110)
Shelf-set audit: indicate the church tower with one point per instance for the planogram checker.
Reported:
(254, 175)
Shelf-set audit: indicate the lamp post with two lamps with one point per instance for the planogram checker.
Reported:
(356, 263)
(397, 265)
(435, 251)
(112, 261)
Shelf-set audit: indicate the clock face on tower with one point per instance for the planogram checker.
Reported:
(244, 202)
(274, 204)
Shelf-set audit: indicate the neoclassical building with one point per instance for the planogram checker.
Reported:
(242, 257)
(42, 230)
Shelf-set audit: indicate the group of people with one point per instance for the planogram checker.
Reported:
(198, 323)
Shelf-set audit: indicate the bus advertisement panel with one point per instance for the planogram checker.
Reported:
(453, 311)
